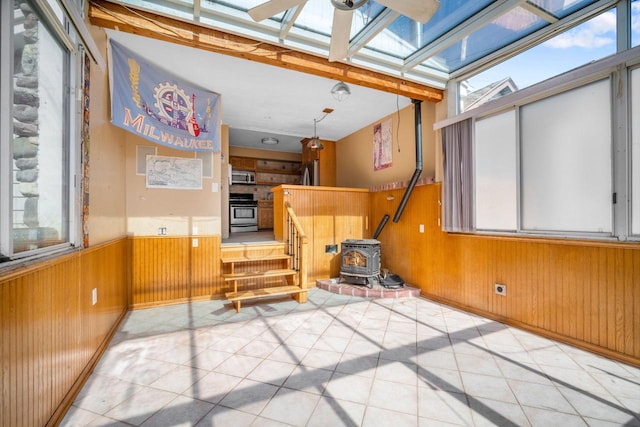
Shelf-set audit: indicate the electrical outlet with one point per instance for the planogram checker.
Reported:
(422, 228)
(500, 289)
(162, 231)
(94, 296)
(194, 243)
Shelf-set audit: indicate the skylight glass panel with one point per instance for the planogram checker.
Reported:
(177, 9)
(240, 5)
(363, 16)
(243, 5)
(317, 17)
(561, 8)
(404, 36)
(506, 29)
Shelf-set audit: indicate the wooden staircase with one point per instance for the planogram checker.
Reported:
(259, 271)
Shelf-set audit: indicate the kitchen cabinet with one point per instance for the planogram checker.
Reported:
(265, 214)
(276, 172)
(270, 172)
(242, 163)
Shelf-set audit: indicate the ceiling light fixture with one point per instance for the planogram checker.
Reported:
(314, 142)
(348, 4)
(340, 91)
(270, 140)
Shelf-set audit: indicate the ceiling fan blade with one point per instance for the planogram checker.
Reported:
(418, 10)
(271, 8)
(340, 34)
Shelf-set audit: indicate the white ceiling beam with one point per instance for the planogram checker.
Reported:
(196, 10)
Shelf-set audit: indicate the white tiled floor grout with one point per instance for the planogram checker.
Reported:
(339, 360)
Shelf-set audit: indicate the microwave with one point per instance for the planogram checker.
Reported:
(243, 177)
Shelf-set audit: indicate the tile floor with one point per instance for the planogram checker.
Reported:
(346, 361)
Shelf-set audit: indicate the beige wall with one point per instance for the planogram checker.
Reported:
(107, 185)
(354, 154)
(178, 210)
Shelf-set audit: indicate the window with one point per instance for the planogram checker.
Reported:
(560, 163)
(585, 43)
(37, 166)
(635, 152)
(495, 172)
(566, 161)
(635, 23)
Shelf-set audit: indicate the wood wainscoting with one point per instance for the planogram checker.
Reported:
(168, 270)
(51, 334)
(581, 292)
(328, 216)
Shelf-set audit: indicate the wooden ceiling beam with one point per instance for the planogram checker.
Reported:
(117, 17)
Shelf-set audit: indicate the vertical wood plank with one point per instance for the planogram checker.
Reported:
(44, 332)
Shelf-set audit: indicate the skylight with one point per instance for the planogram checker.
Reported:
(458, 38)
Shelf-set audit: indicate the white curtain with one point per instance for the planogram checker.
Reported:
(457, 188)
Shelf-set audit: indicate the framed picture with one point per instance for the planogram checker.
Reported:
(174, 172)
(382, 145)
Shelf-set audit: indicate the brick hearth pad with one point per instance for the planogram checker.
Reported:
(337, 287)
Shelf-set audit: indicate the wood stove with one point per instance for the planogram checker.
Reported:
(360, 262)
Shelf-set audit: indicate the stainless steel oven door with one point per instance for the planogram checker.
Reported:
(243, 218)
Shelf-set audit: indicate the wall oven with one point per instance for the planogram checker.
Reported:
(243, 213)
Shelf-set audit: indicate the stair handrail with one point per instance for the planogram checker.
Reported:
(296, 244)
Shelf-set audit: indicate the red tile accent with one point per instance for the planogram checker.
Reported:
(337, 287)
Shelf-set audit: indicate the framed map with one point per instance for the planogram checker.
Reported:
(174, 172)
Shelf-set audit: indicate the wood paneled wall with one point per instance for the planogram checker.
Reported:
(171, 269)
(328, 215)
(51, 334)
(584, 293)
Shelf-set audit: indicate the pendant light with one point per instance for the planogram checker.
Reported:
(315, 143)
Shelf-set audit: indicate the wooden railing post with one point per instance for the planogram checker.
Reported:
(298, 247)
(302, 274)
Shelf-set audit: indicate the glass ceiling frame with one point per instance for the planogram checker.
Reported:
(424, 65)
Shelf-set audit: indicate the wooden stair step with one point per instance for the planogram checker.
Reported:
(263, 292)
(240, 259)
(283, 272)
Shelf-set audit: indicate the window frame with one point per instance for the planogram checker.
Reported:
(72, 88)
(617, 68)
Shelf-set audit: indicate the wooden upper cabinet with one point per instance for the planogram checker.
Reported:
(242, 163)
(269, 171)
(275, 172)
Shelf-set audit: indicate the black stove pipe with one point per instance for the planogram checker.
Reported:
(416, 174)
(418, 171)
(385, 218)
